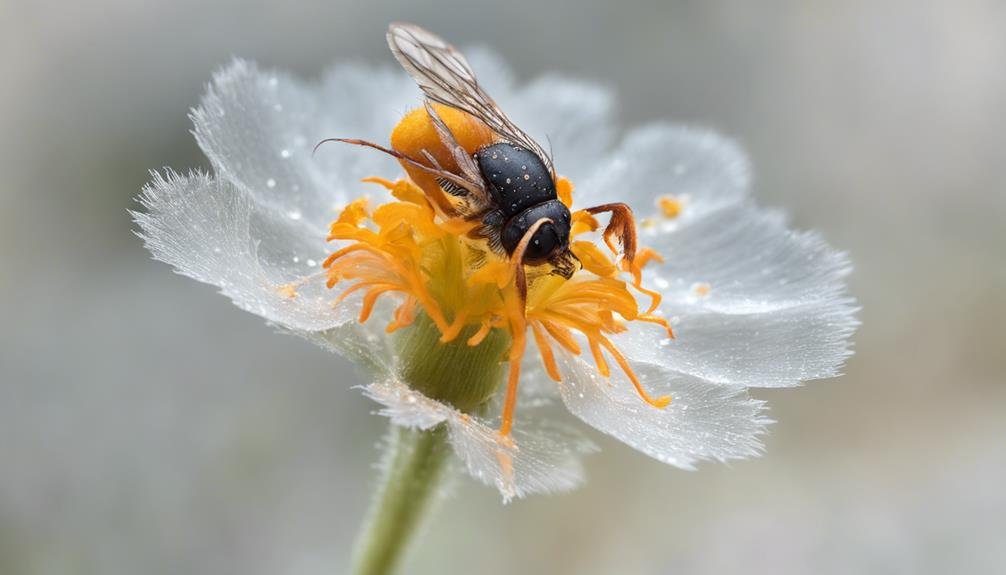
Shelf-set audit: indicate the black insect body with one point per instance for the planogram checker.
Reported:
(523, 191)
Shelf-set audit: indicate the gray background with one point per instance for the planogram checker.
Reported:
(147, 426)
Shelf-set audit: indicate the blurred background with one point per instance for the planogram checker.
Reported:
(148, 426)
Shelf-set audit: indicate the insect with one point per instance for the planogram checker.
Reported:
(500, 176)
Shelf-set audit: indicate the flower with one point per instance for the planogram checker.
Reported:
(332, 247)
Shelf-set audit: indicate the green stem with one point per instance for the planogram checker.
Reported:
(415, 463)
(455, 373)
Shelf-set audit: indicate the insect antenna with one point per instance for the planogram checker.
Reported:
(520, 277)
(551, 158)
(437, 171)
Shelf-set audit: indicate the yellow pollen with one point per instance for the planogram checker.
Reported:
(670, 206)
(436, 264)
(702, 289)
(288, 291)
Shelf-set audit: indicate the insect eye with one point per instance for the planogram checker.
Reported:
(543, 243)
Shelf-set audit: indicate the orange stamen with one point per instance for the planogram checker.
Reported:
(547, 357)
(659, 402)
(481, 334)
(564, 189)
(562, 335)
(405, 314)
(455, 327)
(599, 361)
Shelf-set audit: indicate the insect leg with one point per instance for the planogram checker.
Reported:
(622, 225)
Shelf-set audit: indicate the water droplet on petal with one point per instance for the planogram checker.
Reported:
(312, 263)
(294, 215)
(284, 153)
(271, 183)
(273, 82)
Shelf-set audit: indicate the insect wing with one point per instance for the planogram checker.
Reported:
(445, 76)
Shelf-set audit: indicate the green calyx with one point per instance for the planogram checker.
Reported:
(455, 373)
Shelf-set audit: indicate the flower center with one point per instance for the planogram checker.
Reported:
(462, 286)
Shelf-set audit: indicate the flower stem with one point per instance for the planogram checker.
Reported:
(461, 375)
(415, 461)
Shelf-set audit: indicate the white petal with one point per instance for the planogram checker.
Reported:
(703, 422)
(542, 459)
(704, 169)
(757, 304)
(211, 231)
(259, 128)
(407, 407)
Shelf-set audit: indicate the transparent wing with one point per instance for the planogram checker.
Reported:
(445, 76)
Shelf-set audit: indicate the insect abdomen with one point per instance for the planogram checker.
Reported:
(518, 179)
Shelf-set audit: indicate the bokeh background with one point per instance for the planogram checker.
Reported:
(148, 426)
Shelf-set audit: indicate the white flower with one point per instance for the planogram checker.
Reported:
(752, 303)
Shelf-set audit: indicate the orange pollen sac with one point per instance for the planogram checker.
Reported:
(418, 247)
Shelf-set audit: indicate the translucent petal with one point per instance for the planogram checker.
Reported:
(754, 304)
(703, 422)
(538, 461)
(406, 407)
(542, 459)
(258, 128)
(209, 230)
(700, 167)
